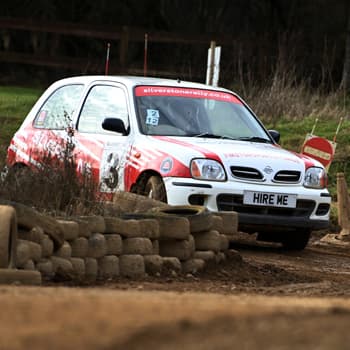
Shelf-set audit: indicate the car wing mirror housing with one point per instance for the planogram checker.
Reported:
(275, 135)
(115, 124)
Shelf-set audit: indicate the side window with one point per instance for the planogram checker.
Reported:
(57, 111)
(103, 101)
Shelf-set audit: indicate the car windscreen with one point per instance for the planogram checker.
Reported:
(170, 111)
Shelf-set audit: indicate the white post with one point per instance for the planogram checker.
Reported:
(210, 64)
(213, 65)
(216, 66)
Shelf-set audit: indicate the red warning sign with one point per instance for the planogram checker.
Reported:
(320, 149)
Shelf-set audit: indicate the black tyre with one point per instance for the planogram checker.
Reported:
(199, 217)
(295, 240)
(155, 189)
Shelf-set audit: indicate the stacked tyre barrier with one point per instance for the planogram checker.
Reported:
(162, 241)
(196, 237)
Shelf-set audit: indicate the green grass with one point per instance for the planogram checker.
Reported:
(15, 103)
(293, 133)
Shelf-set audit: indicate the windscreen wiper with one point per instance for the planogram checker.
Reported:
(255, 139)
(212, 136)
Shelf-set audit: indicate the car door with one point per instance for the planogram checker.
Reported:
(100, 152)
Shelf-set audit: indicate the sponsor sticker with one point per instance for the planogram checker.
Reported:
(41, 118)
(166, 166)
(185, 92)
(152, 117)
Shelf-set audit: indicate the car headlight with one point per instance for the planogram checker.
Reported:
(207, 169)
(315, 178)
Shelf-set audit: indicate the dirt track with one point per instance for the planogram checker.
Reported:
(270, 299)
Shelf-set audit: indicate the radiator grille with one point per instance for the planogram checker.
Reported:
(246, 173)
(287, 176)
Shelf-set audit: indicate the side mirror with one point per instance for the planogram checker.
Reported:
(115, 124)
(275, 135)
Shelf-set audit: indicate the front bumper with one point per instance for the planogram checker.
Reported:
(312, 209)
(250, 222)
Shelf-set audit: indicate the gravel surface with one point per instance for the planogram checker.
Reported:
(261, 297)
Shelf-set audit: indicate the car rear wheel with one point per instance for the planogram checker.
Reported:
(155, 189)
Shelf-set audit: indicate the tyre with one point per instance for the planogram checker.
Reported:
(137, 245)
(78, 268)
(108, 267)
(170, 226)
(291, 240)
(155, 189)
(132, 266)
(135, 202)
(97, 246)
(25, 277)
(199, 217)
(207, 240)
(8, 236)
(183, 249)
(80, 247)
(274, 237)
(296, 240)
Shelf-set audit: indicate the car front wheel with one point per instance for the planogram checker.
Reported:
(155, 189)
(296, 240)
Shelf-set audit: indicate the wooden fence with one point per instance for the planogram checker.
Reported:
(30, 51)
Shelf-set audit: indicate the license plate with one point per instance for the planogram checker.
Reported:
(270, 199)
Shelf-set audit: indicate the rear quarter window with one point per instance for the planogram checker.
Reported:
(58, 109)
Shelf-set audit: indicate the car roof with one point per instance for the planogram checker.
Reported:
(131, 81)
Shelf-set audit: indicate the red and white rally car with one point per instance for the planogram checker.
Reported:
(179, 142)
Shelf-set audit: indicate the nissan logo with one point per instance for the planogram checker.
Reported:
(268, 170)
